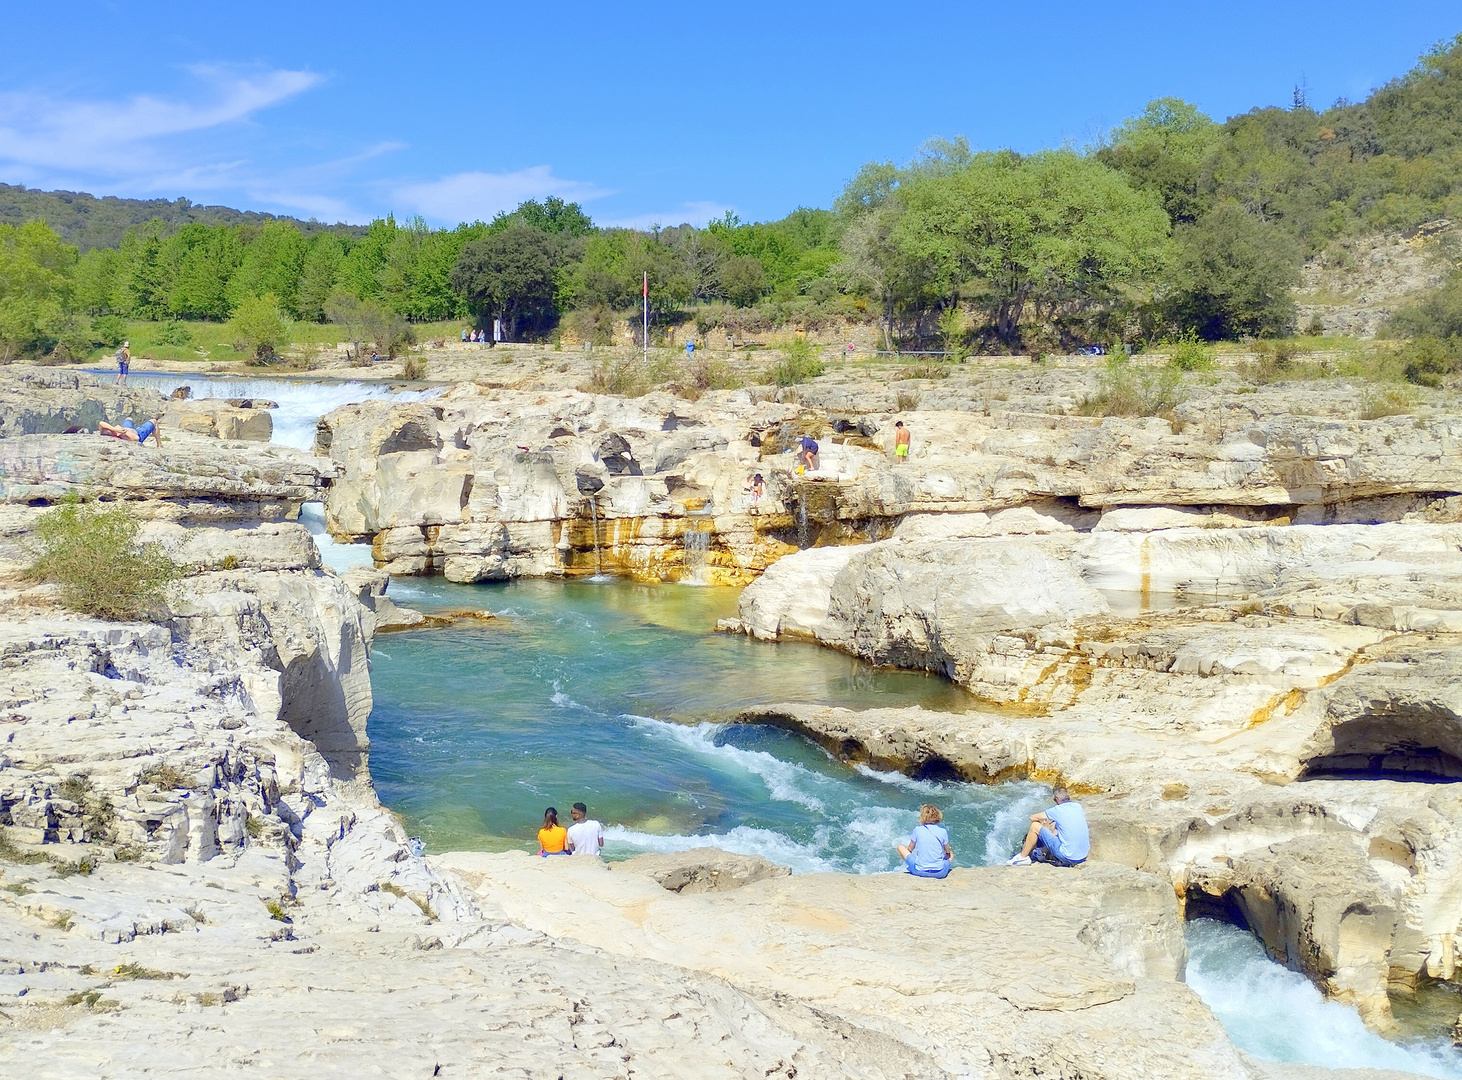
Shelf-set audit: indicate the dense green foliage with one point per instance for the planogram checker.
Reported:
(93, 556)
(87, 222)
(1176, 225)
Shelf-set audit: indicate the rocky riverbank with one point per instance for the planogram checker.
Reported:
(196, 873)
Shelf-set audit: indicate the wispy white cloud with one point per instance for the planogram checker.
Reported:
(121, 138)
(477, 196)
(689, 213)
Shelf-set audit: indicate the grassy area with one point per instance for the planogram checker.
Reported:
(210, 341)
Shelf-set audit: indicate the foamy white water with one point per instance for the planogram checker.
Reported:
(301, 402)
(337, 556)
(1278, 1015)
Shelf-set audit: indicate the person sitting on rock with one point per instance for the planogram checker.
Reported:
(131, 432)
(927, 854)
(552, 837)
(586, 836)
(1057, 835)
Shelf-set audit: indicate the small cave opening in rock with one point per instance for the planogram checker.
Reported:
(1420, 745)
(937, 769)
(1225, 907)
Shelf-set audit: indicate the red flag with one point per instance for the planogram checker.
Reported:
(645, 291)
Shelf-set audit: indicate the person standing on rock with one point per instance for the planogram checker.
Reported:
(552, 836)
(1058, 835)
(927, 854)
(586, 836)
(124, 362)
(900, 444)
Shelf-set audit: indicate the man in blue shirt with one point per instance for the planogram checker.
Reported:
(1057, 835)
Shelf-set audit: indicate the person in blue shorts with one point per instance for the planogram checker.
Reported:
(132, 432)
(1058, 835)
(927, 854)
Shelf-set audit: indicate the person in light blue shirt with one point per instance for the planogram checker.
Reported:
(1057, 835)
(927, 854)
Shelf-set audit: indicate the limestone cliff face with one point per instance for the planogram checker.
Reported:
(1259, 711)
(485, 486)
(491, 484)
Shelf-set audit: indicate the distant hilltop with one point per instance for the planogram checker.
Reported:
(90, 222)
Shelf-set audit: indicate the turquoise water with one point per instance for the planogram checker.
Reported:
(1278, 1015)
(618, 695)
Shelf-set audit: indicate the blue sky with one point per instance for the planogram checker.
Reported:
(643, 112)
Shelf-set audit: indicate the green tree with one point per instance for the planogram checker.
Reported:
(35, 288)
(610, 274)
(416, 277)
(1035, 231)
(1233, 275)
(875, 263)
(511, 275)
(361, 274)
(97, 282)
(1162, 150)
(552, 215)
(319, 276)
(369, 321)
(271, 266)
(200, 285)
(142, 277)
(259, 327)
(742, 279)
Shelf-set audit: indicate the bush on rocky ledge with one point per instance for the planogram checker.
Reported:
(93, 555)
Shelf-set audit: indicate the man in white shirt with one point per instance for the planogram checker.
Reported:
(586, 836)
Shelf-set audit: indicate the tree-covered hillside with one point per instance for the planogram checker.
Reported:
(86, 221)
(1174, 224)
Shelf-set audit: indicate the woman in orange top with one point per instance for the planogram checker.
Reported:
(551, 837)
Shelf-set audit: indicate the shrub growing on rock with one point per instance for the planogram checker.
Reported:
(93, 555)
(1125, 389)
(799, 363)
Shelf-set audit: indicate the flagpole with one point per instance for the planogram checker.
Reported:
(645, 320)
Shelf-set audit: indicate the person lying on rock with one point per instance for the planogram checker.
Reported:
(927, 854)
(586, 836)
(131, 432)
(1057, 835)
(552, 836)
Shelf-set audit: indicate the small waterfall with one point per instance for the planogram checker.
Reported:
(697, 540)
(594, 518)
(802, 532)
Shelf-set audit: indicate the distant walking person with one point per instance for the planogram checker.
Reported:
(586, 836)
(1058, 835)
(552, 836)
(900, 443)
(927, 854)
(124, 363)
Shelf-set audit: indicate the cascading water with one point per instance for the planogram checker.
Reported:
(594, 520)
(1276, 1014)
(802, 531)
(301, 402)
(697, 542)
(337, 556)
